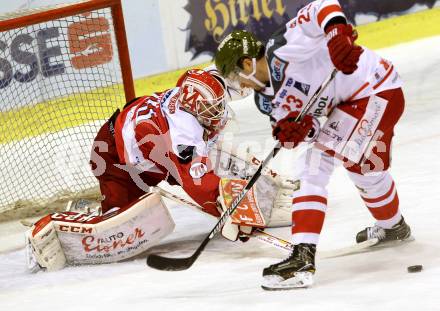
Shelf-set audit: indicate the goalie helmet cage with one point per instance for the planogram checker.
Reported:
(64, 70)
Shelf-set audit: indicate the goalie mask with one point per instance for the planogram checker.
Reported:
(203, 96)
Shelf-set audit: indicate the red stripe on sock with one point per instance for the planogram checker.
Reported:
(387, 211)
(310, 221)
(381, 198)
(310, 198)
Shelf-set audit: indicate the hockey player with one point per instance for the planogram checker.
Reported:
(361, 105)
(162, 137)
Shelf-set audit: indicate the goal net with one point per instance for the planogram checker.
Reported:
(63, 71)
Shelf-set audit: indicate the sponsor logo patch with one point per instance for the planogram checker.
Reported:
(264, 104)
(277, 68)
(75, 229)
(165, 97)
(322, 106)
(111, 244)
(283, 93)
(198, 169)
(334, 125)
(172, 104)
(302, 87)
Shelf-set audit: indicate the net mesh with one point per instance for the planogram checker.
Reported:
(59, 81)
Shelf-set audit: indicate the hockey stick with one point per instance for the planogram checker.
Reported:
(318, 93)
(277, 242)
(331, 253)
(259, 234)
(178, 264)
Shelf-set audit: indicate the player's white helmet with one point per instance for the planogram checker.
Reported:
(203, 95)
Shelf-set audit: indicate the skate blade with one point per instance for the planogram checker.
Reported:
(393, 243)
(275, 282)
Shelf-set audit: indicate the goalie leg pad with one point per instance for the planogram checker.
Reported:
(118, 234)
(43, 248)
(76, 238)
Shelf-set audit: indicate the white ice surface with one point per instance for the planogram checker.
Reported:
(227, 275)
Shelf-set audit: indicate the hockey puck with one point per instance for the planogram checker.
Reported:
(416, 268)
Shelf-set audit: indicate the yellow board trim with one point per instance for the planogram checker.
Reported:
(401, 29)
(49, 117)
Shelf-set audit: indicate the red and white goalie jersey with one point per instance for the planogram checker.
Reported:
(155, 140)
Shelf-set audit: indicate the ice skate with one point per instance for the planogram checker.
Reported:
(294, 272)
(399, 232)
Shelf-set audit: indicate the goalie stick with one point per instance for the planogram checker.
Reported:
(178, 264)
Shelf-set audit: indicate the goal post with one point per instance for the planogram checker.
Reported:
(64, 70)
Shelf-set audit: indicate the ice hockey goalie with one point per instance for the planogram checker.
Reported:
(171, 136)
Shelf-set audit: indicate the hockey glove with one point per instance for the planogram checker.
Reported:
(343, 52)
(291, 133)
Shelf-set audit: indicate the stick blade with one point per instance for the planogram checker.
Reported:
(169, 264)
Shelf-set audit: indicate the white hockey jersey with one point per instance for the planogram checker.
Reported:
(299, 62)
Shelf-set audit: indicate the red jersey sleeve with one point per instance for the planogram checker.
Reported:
(200, 182)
